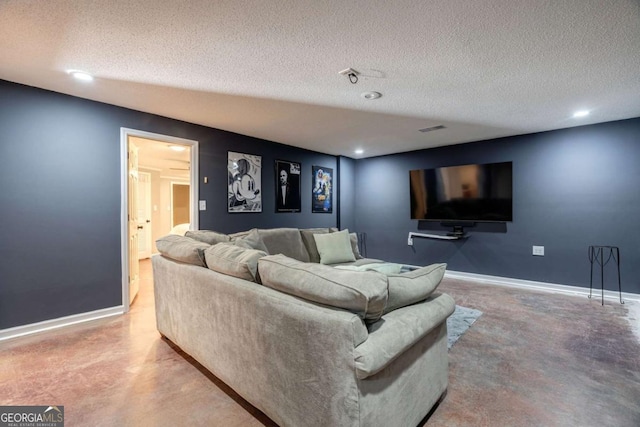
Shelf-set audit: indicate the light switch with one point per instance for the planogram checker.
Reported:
(203, 205)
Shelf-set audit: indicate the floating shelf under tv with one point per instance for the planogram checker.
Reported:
(450, 236)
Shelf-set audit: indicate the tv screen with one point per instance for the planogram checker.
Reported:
(476, 193)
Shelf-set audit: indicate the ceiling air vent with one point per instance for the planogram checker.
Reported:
(432, 128)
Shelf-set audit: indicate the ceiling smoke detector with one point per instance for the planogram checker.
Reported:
(351, 74)
(348, 71)
(371, 95)
(432, 128)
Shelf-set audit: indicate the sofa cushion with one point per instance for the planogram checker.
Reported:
(381, 267)
(286, 241)
(233, 260)
(334, 248)
(183, 249)
(251, 240)
(362, 293)
(208, 236)
(310, 242)
(413, 286)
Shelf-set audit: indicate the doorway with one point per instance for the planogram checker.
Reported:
(151, 165)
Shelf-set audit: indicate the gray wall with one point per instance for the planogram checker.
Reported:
(572, 188)
(347, 193)
(60, 198)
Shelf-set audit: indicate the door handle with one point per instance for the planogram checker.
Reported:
(140, 227)
(148, 221)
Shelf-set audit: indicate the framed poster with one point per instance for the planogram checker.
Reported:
(322, 192)
(287, 186)
(244, 182)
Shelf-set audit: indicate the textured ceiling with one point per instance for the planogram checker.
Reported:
(269, 69)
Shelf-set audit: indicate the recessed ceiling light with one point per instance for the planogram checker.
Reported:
(581, 113)
(359, 151)
(178, 147)
(371, 95)
(81, 75)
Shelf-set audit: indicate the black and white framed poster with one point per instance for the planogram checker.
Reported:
(287, 186)
(322, 192)
(244, 182)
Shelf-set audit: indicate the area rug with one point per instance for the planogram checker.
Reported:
(459, 322)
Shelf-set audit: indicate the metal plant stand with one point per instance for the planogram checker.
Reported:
(596, 254)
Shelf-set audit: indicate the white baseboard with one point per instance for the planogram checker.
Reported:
(47, 325)
(540, 286)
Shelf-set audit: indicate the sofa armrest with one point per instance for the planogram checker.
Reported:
(398, 330)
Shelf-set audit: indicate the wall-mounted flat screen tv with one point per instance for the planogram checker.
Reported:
(475, 193)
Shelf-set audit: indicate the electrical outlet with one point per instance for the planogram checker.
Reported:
(538, 250)
(410, 241)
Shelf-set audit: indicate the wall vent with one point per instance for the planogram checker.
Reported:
(432, 128)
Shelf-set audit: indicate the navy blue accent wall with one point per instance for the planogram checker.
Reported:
(214, 146)
(572, 188)
(60, 198)
(347, 193)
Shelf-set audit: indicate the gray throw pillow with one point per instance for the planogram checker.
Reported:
(208, 236)
(239, 234)
(363, 293)
(413, 286)
(310, 242)
(183, 249)
(232, 260)
(334, 248)
(354, 245)
(286, 241)
(252, 240)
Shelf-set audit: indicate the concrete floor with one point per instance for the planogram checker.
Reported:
(532, 359)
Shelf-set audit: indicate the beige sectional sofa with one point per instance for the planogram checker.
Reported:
(307, 342)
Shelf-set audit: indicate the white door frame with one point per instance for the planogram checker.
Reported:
(125, 133)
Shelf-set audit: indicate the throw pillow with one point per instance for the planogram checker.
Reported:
(334, 248)
(286, 241)
(310, 242)
(253, 240)
(183, 249)
(363, 293)
(413, 286)
(239, 234)
(354, 245)
(227, 258)
(208, 236)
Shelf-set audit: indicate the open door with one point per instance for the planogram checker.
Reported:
(134, 267)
